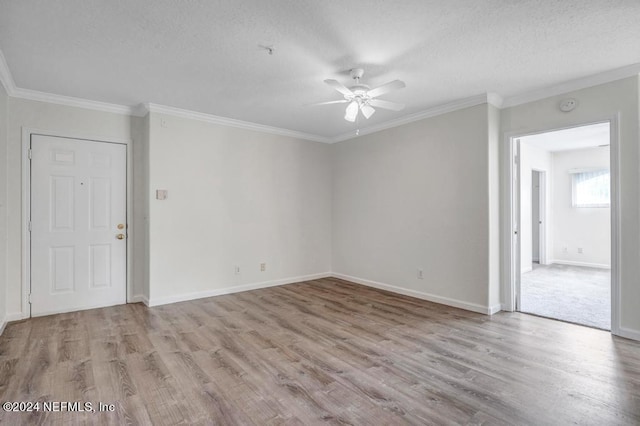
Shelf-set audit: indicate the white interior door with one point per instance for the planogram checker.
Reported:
(516, 220)
(78, 224)
(542, 214)
(535, 216)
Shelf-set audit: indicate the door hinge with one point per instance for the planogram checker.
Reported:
(29, 298)
(516, 159)
(29, 226)
(30, 153)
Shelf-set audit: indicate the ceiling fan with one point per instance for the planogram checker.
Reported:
(361, 98)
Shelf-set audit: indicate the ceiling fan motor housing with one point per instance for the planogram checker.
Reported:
(357, 73)
(360, 90)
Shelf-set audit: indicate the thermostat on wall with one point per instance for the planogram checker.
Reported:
(161, 194)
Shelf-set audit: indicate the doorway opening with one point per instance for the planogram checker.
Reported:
(565, 248)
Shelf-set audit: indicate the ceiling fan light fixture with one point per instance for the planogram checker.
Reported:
(351, 112)
(367, 110)
(362, 98)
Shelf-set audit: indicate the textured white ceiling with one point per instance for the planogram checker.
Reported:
(205, 56)
(567, 139)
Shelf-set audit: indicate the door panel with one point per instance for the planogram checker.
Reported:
(78, 199)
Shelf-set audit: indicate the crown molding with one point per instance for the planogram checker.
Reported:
(224, 121)
(428, 113)
(141, 110)
(5, 76)
(572, 85)
(34, 95)
(495, 99)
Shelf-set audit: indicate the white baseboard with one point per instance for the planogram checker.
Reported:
(527, 269)
(139, 298)
(628, 333)
(84, 308)
(15, 316)
(495, 309)
(420, 295)
(503, 307)
(234, 289)
(587, 264)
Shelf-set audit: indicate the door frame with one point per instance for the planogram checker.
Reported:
(510, 226)
(27, 132)
(542, 216)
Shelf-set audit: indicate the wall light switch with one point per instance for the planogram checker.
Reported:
(161, 194)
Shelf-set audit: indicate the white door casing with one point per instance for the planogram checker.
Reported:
(511, 194)
(78, 200)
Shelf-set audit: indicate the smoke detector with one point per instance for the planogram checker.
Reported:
(567, 105)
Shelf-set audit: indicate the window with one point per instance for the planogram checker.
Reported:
(590, 188)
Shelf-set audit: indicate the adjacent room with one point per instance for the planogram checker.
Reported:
(319, 212)
(565, 210)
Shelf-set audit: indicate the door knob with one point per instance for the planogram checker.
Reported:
(120, 236)
(121, 226)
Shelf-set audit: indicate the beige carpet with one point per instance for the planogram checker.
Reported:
(569, 293)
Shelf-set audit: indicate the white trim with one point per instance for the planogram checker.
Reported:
(5, 76)
(543, 257)
(131, 230)
(428, 113)
(586, 264)
(139, 298)
(231, 122)
(509, 258)
(66, 310)
(233, 289)
(25, 218)
(474, 307)
(572, 85)
(27, 132)
(34, 95)
(527, 269)
(16, 316)
(510, 262)
(616, 223)
(628, 333)
(495, 309)
(494, 99)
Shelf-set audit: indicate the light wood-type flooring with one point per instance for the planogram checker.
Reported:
(321, 352)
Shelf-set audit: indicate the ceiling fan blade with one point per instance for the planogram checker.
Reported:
(339, 87)
(351, 112)
(342, 101)
(386, 88)
(386, 104)
(367, 111)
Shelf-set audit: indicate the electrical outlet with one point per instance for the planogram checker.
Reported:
(580, 250)
(263, 267)
(420, 274)
(237, 270)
